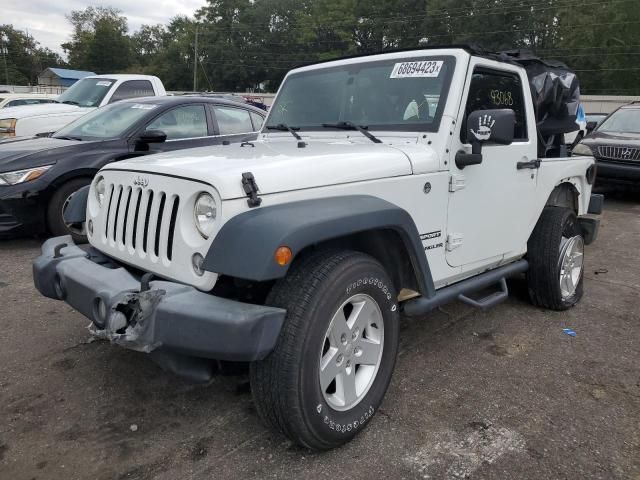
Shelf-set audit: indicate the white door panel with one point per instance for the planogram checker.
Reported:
(489, 211)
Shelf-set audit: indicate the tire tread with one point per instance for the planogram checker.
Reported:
(274, 380)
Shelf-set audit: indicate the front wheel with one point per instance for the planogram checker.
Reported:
(333, 362)
(556, 260)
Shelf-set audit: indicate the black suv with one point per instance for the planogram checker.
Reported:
(615, 144)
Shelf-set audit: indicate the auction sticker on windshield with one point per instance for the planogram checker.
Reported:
(103, 84)
(144, 106)
(427, 68)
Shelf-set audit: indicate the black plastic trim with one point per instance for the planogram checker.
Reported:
(76, 211)
(244, 247)
(422, 305)
(596, 203)
(590, 227)
(169, 315)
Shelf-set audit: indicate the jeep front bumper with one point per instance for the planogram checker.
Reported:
(168, 315)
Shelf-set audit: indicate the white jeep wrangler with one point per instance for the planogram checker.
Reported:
(380, 185)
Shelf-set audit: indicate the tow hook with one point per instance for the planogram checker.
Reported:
(144, 282)
(57, 249)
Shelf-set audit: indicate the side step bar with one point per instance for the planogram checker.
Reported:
(422, 305)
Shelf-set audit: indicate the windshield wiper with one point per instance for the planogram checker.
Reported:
(69, 138)
(71, 102)
(353, 126)
(285, 128)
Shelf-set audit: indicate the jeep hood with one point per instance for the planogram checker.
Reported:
(276, 165)
(25, 111)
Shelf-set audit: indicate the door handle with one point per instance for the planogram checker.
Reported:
(532, 164)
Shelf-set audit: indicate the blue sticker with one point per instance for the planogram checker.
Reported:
(569, 332)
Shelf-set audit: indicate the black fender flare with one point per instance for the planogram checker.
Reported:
(76, 211)
(245, 245)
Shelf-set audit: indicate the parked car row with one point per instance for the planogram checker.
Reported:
(83, 96)
(8, 100)
(40, 175)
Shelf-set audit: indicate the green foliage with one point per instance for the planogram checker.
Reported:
(24, 57)
(99, 41)
(248, 44)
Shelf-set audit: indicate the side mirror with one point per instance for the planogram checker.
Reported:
(591, 126)
(152, 136)
(484, 126)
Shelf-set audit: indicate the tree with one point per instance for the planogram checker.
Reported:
(25, 58)
(99, 41)
(243, 44)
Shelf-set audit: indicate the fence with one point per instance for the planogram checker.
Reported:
(33, 89)
(605, 103)
(591, 103)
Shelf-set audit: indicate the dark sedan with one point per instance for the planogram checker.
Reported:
(615, 144)
(38, 176)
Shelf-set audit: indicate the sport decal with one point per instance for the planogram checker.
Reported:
(430, 235)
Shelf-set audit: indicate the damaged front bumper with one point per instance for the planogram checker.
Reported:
(147, 316)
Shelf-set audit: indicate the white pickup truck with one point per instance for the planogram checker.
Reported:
(380, 185)
(82, 97)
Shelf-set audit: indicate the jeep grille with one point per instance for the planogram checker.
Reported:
(142, 219)
(146, 221)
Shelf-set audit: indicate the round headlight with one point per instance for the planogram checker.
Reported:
(205, 214)
(100, 188)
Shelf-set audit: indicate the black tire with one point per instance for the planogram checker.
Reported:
(544, 251)
(285, 385)
(55, 222)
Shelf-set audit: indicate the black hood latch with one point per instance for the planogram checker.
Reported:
(251, 189)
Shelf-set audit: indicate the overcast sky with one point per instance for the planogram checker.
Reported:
(46, 22)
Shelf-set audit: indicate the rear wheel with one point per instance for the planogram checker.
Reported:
(556, 260)
(57, 206)
(333, 361)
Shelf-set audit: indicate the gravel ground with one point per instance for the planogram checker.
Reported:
(497, 394)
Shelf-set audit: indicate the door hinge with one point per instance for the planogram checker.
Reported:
(454, 240)
(456, 182)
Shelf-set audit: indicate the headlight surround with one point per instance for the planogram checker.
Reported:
(21, 176)
(204, 214)
(582, 149)
(7, 127)
(99, 190)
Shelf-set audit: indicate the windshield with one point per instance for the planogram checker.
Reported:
(110, 121)
(87, 92)
(622, 121)
(406, 94)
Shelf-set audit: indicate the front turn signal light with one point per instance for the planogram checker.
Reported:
(283, 256)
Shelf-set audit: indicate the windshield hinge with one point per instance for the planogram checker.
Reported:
(454, 240)
(456, 182)
(251, 189)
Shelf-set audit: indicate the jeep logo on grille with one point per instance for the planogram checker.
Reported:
(140, 181)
